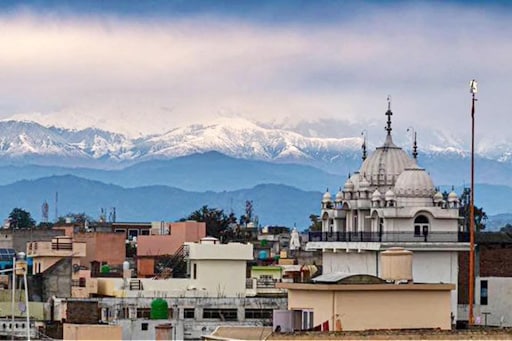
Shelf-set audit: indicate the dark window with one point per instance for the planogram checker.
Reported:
(144, 232)
(194, 275)
(221, 314)
(120, 231)
(483, 292)
(258, 314)
(189, 313)
(421, 226)
(143, 313)
(132, 233)
(144, 326)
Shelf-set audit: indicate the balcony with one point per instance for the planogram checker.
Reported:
(432, 237)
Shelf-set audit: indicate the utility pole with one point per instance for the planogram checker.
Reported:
(473, 89)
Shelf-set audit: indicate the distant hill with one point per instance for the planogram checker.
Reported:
(274, 204)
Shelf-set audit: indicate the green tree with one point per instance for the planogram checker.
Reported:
(479, 213)
(19, 218)
(75, 218)
(216, 220)
(316, 224)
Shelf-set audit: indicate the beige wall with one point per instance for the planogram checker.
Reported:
(220, 278)
(92, 332)
(376, 309)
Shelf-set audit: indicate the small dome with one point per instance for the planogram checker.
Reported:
(453, 197)
(414, 182)
(376, 195)
(339, 196)
(390, 195)
(438, 197)
(364, 184)
(326, 197)
(349, 186)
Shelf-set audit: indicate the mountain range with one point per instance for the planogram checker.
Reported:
(222, 164)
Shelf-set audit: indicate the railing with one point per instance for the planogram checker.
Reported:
(248, 283)
(62, 246)
(388, 237)
(266, 283)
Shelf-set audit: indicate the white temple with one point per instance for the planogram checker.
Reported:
(391, 202)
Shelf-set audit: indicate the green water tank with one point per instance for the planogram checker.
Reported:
(159, 309)
(105, 269)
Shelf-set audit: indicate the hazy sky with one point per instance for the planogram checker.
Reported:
(148, 66)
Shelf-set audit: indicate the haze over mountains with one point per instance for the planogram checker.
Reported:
(220, 164)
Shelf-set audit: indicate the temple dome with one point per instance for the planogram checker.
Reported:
(414, 182)
(383, 166)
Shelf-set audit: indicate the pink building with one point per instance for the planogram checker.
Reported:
(150, 247)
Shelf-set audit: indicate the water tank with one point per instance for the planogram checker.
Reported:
(105, 269)
(159, 309)
(262, 255)
(396, 264)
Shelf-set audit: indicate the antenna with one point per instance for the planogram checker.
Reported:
(44, 211)
(56, 206)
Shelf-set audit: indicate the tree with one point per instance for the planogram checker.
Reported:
(75, 218)
(316, 224)
(216, 220)
(479, 213)
(19, 218)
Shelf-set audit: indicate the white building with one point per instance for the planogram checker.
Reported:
(391, 202)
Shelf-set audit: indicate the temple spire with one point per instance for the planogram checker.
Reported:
(388, 114)
(415, 148)
(364, 144)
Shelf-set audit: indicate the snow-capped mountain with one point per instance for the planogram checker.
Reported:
(29, 142)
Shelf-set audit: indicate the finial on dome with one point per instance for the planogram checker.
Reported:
(388, 114)
(414, 143)
(363, 133)
(415, 148)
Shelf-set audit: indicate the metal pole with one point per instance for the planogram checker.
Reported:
(13, 294)
(27, 310)
(472, 217)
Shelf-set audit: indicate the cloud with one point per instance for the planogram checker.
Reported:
(125, 73)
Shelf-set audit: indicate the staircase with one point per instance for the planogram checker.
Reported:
(177, 262)
(135, 284)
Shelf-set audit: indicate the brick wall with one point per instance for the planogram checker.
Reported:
(83, 312)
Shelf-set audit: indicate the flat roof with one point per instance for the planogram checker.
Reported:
(367, 287)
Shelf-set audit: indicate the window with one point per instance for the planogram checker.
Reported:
(483, 292)
(421, 226)
(194, 275)
(307, 319)
(143, 313)
(144, 232)
(120, 231)
(144, 326)
(132, 233)
(258, 314)
(221, 314)
(189, 313)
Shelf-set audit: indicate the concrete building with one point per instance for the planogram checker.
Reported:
(150, 248)
(352, 302)
(215, 270)
(102, 247)
(214, 294)
(493, 280)
(46, 253)
(391, 202)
